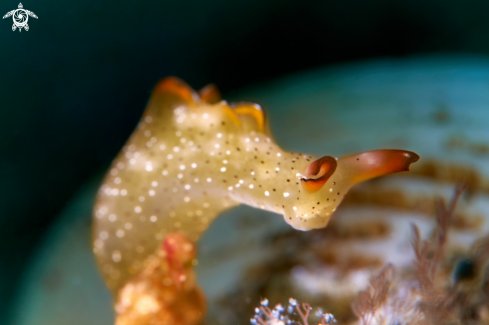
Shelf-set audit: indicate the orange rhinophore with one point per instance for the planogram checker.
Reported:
(318, 173)
(193, 156)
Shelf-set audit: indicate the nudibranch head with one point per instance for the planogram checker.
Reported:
(326, 181)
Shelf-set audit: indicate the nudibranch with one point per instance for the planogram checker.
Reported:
(193, 156)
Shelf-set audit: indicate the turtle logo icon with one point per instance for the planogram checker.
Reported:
(20, 17)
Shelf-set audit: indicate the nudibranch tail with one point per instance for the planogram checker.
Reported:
(360, 167)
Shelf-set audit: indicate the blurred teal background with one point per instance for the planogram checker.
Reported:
(72, 88)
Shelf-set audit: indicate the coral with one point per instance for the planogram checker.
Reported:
(165, 292)
(433, 280)
(371, 300)
(440, 294)
(295, 313)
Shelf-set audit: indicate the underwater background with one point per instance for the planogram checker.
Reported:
(73, 87)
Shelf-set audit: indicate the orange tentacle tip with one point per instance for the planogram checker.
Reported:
(210, 94)
(253, 110)
(231, 113)
(178, 87)
(318, 173)
(377, 163)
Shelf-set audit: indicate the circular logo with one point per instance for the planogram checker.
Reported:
(20, 17)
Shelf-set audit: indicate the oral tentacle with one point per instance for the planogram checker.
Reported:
(360, 167)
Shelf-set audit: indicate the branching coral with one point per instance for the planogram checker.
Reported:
(370, 301)
(281, 316)
(441, 294)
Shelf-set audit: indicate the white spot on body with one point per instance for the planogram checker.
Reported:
(99, 243)
(103, 235)
(116, 256)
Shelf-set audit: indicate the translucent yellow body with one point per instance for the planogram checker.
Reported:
(193, 156)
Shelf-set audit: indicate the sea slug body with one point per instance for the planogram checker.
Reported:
(193, 156)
